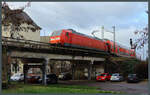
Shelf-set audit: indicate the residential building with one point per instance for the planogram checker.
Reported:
(18, 24)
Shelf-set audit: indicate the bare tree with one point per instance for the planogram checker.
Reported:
(9, 18)
(142, 39)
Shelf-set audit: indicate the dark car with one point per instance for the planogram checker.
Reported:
(50, 79)
(133, 78)
(33, 79)
(65, 76)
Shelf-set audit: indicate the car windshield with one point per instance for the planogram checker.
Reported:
(48, 75)
(115, 74)
(16, 75)
(62, 73)
(56, 33)
(29, 76)
(131, 75)
(103, 75)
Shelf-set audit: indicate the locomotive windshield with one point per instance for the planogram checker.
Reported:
(56, 33)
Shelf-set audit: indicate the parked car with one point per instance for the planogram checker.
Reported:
(17, 77)
(133, 78)
(33, 79)
(116, 77)
(103, 77)
(65, 76)
(50, 79)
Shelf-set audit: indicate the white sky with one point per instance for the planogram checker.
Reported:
(85, 17)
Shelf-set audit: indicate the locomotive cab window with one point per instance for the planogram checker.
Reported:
(67, 34)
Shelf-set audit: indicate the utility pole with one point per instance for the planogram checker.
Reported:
(102, 32)
(114, 37)
(143, 52)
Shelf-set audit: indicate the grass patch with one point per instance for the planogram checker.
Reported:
(53, 88)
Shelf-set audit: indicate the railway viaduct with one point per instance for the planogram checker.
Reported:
(39, 52)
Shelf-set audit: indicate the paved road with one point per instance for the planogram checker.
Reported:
(141, 87)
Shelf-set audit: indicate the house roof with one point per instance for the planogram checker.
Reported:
(17, 17)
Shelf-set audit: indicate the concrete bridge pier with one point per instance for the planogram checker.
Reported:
(90, 69)
(106, 62)
(43, 68)
(44, 71)
(25, 71)
(6, 64)
(73, 70)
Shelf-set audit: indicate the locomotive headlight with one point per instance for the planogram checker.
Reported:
(52, 39)
(58, 38)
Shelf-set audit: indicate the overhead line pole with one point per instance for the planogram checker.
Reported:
(114, 37)
(102, 32)
(113, 32)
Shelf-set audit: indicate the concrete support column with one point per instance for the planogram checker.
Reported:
(73, 71)
(9, 68)
(106, 65)
(44, 70)
(90, 70)
(5, 68)
(25, 71)
(43, 73)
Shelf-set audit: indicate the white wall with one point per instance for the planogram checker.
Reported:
(27, 33)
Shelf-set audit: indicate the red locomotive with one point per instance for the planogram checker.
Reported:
(69, 37)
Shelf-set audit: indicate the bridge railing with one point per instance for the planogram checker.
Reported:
(8, 39)
(47, 47)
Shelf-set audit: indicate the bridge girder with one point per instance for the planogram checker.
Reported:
(20, 54)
